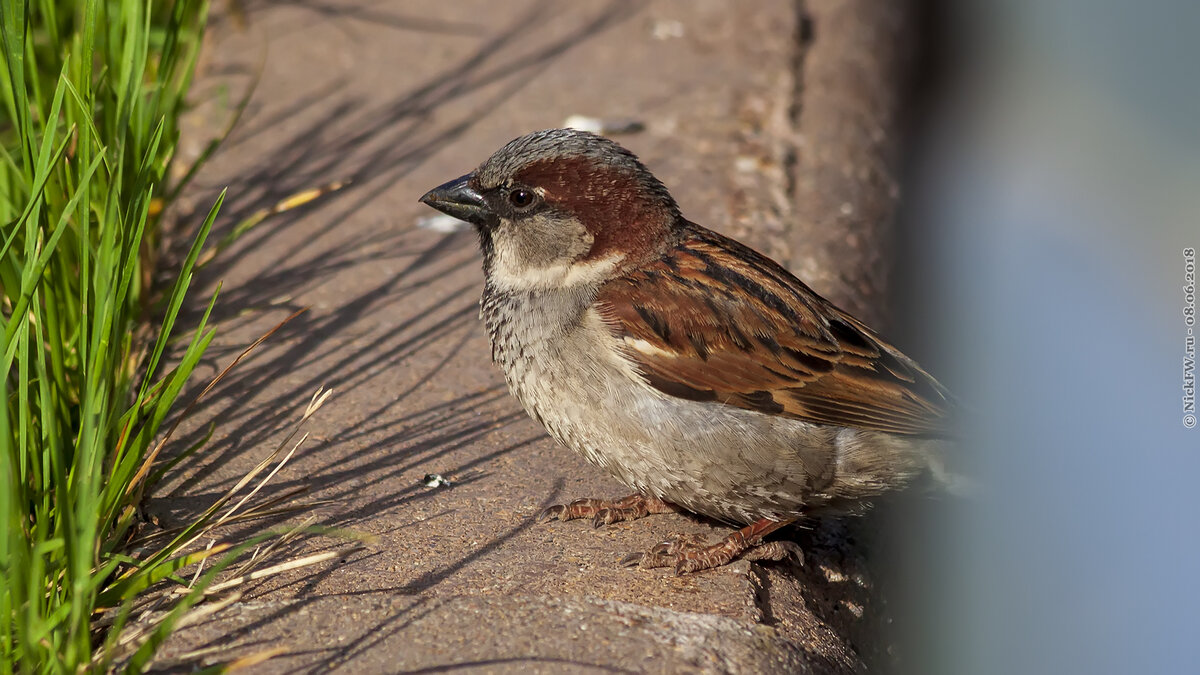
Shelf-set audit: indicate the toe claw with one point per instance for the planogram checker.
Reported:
(603, 517)
(662, 548)
(553, 513)
(776, 551)
(655, 560)
(632, 559)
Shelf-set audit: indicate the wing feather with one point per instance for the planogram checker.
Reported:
(713, 320)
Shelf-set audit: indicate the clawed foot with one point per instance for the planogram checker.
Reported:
(605, 512)
(684, 553)
(691, 553)
(667, 553)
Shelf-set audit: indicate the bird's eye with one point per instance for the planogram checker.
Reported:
(520, 197)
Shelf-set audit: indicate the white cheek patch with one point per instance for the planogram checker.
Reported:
(510, 275)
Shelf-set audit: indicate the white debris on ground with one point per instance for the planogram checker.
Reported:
(666, 29)
(441, 222)
(747, 164)
(603, 127)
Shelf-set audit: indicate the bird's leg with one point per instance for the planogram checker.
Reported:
(691, 554)
(605, 512)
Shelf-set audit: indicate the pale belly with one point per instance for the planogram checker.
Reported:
(717, 460)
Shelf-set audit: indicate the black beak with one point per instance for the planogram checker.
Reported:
(459, 200)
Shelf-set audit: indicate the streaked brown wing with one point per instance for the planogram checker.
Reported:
(715, 321)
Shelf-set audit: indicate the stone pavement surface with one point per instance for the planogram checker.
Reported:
(397, 98)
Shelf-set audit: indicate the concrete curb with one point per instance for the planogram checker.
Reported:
(398, 100)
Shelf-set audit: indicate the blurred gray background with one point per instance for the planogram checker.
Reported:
(1053, 188)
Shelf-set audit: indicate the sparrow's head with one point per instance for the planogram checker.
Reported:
(560, 208)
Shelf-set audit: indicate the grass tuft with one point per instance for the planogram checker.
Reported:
(91, 93)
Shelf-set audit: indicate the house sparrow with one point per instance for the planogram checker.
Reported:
(695, 370)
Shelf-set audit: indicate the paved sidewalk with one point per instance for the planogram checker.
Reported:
(397, 98)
